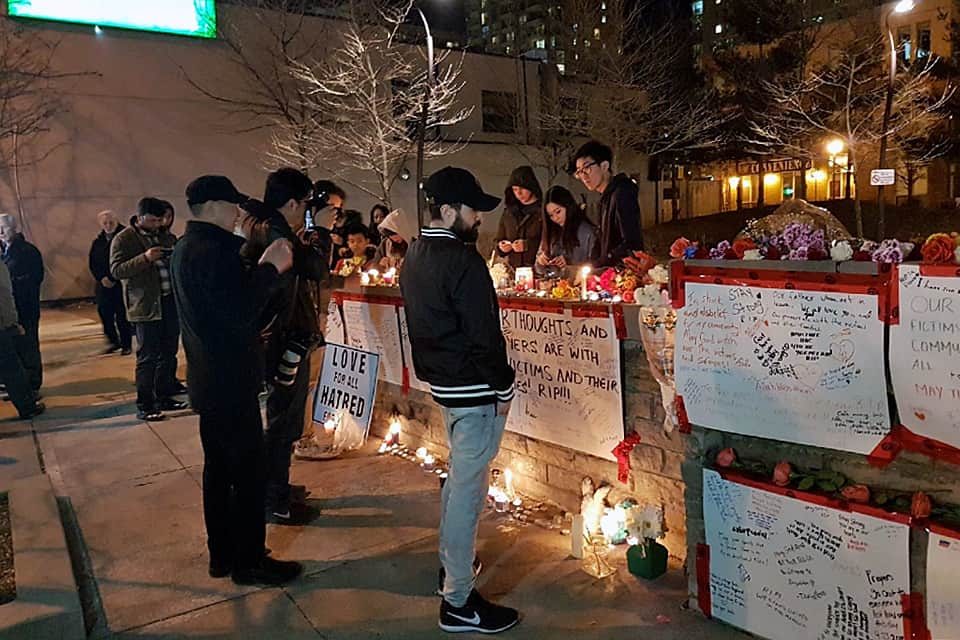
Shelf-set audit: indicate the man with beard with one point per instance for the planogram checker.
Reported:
(113, 316)
(459, 349)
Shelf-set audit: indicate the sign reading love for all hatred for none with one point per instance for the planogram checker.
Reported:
(568, 386)
(787, 569)
(925, 355)
(347, 388)
(798, 366)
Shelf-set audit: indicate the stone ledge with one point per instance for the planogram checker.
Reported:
(47, 604)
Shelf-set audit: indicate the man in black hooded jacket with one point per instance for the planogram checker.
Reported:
(620, 220)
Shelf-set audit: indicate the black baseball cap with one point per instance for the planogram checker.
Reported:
(214, 189)
(452, 185)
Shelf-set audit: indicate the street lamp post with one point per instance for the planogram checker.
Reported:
(904, 6)
(834, 148)
(422, 133)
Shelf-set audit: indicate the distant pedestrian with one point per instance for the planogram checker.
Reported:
(221, 302)
(12, 373)
(113, 315)
(620, 222)
(25, 264)
(459, 349)
(139, 258)
(518, 235)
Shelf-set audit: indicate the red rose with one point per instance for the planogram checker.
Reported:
(772, 253)
(938, 249)
(920, 506)
(679, 247)
(741, 246)
(702, 253)
(856, 493)
(781, 474)
(645, 260)
(816, 254)
(628, 297)
(862, 256)
(726, 458)
(730, 254)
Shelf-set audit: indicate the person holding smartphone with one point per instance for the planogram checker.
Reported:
(518, 235)
(140, 259)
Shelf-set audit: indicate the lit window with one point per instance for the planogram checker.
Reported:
(603, 19)
(451, 45)
(698, 8)
(493, 40)
(596, 33)
(553, 42)
(483, 18)
(603, 6)
(562, 68)
(719, 1)
(541, 44)
(718, 29)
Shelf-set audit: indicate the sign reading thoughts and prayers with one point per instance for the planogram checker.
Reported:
(797, 366)
(568, 388)
(347, 388)
(787, 569)
(943, 588)
(925, 355)
(374, 327)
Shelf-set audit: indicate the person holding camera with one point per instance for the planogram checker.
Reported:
(139, 259)
(294, 331)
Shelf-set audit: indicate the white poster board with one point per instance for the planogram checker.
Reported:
(925, 355)
(415, 382)
(798, 366)
(334, 332)
(373, 327)
(787, 569)
(943, 587)
(568, 388)
(347, 388)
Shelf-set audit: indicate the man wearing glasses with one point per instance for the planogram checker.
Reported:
(620, 233)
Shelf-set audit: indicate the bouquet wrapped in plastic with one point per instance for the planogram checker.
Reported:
(658, 326)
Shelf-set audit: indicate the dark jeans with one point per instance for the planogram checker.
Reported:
(28, 347)
(286, 409)
(157, 345)
(233, 486)
(12, 373)
(113, 316)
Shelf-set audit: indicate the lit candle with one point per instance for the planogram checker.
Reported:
(374, 274)
(422, 453)
(584, 274)
(395, 431)
(517, 503)
(330, 425)
(365, 279)
(508, 477)
(383, 448)
(389, 276)
(500, 501)
(428, 463)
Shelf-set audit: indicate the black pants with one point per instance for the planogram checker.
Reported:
(157, 345)
(12, 373)
(113, 316)
(28, 348)
(233, 486)
(286, 409)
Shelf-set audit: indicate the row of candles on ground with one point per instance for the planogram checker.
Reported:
(373, 278)
(501, 490)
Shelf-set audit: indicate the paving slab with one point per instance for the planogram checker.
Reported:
(47, 605)
(18, 459)
(181, 434)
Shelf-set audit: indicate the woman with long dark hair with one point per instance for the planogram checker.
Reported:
(378, 213)
(569, 238)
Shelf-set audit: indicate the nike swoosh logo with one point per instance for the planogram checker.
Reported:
(474, 620)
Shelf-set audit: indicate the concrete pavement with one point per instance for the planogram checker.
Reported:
(370, 551)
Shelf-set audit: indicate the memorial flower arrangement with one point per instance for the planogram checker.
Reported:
(351, 266)
(941, 248)
(834, 484)
(640, 281)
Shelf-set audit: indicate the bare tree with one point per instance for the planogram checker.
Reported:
(260, 41)
(367, 99)
(845, 99)
(31, 98)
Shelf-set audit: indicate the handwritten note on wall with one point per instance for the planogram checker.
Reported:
(415, 382)
(786, 569)
(374, 328)
(797, 366)
(568, 388)
(925, 355)
(943, 588)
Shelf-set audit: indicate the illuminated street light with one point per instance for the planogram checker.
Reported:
(835, 147)
(904, 6)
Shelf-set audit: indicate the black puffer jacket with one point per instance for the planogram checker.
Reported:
(620, 233)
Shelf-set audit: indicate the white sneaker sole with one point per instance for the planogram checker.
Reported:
(472, 629)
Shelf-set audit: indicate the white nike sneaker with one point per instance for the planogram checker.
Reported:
(477, 615)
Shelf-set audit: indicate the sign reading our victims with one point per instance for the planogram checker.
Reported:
(348, 386)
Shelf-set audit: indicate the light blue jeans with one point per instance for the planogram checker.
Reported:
(474, 434)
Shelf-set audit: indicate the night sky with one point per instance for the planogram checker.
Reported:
(445, 15)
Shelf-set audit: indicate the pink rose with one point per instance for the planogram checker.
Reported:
(781, 474)
(920, 506)
(856, 493)
(679, 247)
(726, 458)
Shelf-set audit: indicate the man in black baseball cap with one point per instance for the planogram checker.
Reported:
(221, 303)
(458, 348)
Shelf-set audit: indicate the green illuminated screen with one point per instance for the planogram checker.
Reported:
(183, 17)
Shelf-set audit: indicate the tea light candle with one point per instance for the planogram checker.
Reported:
(584, 274)
(389, 276)
(517, 503)
(374, 274)
(330, 425)
(422, 453)
(383, 448)
(428, 463)
(365, 279)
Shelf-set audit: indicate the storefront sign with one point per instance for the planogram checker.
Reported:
(784, 568)
(773, 166)
(347, 388)
(568, 388)
(925, 355)
(943, 588)
(784, 364)
(374, 327)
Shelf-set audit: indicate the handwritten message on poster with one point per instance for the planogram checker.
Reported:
(568, 388)
(415, 382)
(786, 569)
(797, 366)
(943, 587)
(925, 355)
(347, 388)
(334, 332)
(374, 328)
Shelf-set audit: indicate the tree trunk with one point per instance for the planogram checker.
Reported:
(761, 191)
(857, 207)
(674, 188)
